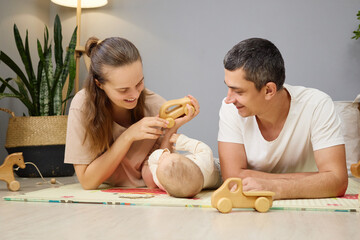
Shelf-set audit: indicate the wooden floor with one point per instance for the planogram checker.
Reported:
(31, 220)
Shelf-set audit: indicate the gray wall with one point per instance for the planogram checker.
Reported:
(183, 43)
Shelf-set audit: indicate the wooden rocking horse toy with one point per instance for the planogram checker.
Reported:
(6, 170)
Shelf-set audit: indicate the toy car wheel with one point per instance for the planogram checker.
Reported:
(14, 186)
(262, 204)
(171, 122)
(224, 205)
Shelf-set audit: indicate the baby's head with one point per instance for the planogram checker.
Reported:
(179, 176)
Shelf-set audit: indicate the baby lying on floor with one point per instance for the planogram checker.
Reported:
(183, 175)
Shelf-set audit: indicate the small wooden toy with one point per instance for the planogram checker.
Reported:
(53, 181)
(224, 200)
(355, 169)
(175, 108)
(6, 170)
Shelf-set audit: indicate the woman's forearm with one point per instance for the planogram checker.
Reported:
(94, 174)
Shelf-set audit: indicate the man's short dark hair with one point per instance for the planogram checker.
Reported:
(260, 59)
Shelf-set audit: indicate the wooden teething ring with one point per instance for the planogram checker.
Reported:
(175, 108)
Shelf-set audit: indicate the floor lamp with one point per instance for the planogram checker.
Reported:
(78, 4)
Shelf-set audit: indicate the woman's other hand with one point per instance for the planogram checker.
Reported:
(146, 128)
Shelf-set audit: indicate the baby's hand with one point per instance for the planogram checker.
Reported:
(174, 138)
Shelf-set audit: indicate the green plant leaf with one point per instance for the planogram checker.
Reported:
(68, 98)
(46, 38)
(40, 51)
(11, 88)
(64, 102)
(57, 99)
(13, 66)
(6, 95)
(357, 32)
(72, 73)
(58, 42)
(39, 74)
(69, 66)
(17, 94)
(56, 90)
(58, 50)
(49, 68)
(41, 93)
(50, 80)
(21, 87)
(44, 95)
(31, 74)
(70, 52)
(25, 57)
(45, 80)
(3, 86)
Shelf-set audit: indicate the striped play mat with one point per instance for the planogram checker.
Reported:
(154, 197)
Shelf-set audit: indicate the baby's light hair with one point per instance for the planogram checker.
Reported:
(180, 176)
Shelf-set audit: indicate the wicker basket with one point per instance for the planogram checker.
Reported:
(42, 141)
(36, 131)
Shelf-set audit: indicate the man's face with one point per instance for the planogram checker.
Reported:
(243, 93)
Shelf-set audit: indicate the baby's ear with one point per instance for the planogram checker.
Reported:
(160, 177)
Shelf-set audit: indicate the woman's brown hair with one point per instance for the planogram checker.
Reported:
(115, 52)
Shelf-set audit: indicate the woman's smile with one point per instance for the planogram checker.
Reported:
(130, 100)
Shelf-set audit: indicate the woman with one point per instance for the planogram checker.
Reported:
(113, 122)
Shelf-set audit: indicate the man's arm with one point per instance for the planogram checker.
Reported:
(330, 180)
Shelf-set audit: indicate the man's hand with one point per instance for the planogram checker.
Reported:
(258, 184)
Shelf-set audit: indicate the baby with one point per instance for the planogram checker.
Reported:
(182, 175)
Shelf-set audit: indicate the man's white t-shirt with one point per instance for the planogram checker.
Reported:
(311, 124)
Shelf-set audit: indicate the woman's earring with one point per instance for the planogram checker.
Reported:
(98, 83)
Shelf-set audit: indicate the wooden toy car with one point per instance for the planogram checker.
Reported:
(224, 200)
(355, 169)
(175, 108)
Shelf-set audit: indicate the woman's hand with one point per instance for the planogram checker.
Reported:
(146, 128)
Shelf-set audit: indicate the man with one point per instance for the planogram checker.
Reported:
(274, 136)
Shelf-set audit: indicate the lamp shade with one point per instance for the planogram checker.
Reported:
(84, 3)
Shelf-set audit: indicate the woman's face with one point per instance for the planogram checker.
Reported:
(123, 85)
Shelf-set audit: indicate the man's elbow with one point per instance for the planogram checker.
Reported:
(342, 186)
(340, 183)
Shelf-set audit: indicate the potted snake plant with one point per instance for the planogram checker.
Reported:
(45, 93)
